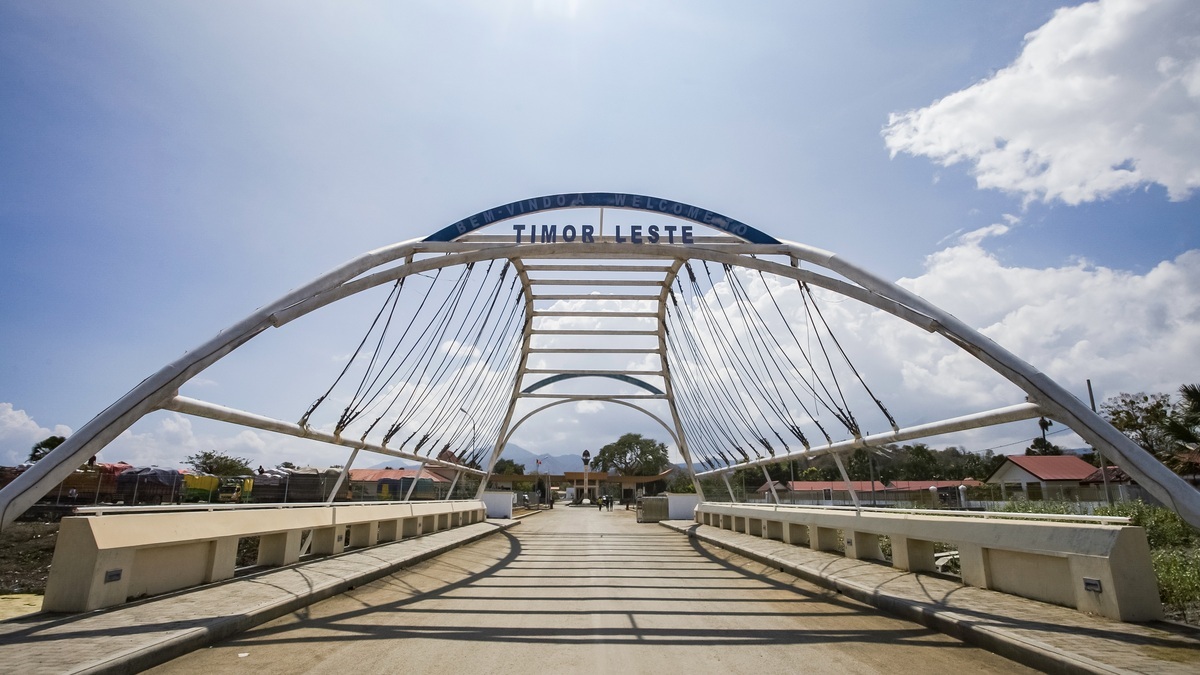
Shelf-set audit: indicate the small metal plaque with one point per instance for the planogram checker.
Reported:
(112, 575)
(1090, 584)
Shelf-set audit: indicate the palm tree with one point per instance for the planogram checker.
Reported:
(1183, 429)
(1045, 425)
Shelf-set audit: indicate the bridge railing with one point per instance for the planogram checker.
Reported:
(119, 554)
(1101, 566)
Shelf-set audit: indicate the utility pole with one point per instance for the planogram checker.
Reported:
(1103, 462)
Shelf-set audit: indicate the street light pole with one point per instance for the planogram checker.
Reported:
(473, 436)
(545, 477)
(474, 440)
(587, 459)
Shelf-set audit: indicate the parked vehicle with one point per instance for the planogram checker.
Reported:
(150, 485)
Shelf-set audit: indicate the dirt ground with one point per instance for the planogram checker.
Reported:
(26, 550)
(19, 604)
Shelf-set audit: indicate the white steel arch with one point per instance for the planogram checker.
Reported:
(604, 399)
(738, 245)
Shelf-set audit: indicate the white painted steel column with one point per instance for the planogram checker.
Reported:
(668, 387)
(212, 411)
(770, 484)
(516, 390)
(337, 484)
(732, 497)
(408, 495)
(837, 458)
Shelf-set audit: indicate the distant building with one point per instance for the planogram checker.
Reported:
(906, 485)
(625, 489)
(394, 484)
(1041, 476)
(819, 490)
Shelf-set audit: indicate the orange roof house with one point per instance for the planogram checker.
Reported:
(821, 485)
(1041, 468)
(905, 485)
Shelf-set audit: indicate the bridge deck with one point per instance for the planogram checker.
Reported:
(1048, 637)
(570, 589)
(579, 590)
(132, 637)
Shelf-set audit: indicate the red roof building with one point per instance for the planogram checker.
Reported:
(1115, 475)
(1045, 468)
(904, 485)
(376, 475)
(821, 485)
(1035, 475)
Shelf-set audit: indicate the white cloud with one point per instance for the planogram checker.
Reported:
(588, 407)
(459, 350)
(166, 439)
(1125, 331)
(1104, 97)
(19, 432)
(976, 236)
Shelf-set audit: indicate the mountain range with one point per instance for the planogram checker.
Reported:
(555, 464)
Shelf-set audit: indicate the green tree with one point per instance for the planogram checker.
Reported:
(287, 465)
(508, 467)
(810, 473)
(921, 463)
(633, 455)
(681, 483)
(44, 446)
(1183, 428)
(218, 463)
(1143, 418)
(859, 465)
(1041, 446)
(979, 466)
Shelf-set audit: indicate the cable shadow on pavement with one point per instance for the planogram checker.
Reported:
(702, 619)
(1120, 632)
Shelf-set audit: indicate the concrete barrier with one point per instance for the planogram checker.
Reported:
(499, 503)
(681, 505)
(101, 561)
(1098, 568)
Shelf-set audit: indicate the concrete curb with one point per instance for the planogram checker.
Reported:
(998, 641)
(176, 645)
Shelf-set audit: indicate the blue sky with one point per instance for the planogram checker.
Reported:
(165, 168)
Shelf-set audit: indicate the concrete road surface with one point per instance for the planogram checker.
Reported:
(577, 590)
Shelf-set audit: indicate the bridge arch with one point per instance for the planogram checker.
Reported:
(666, 427)
(620, 377)
(460, 244)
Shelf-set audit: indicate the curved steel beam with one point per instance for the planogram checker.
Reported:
(608, 200)
(612, 376)
(153, 392)
(602, 399)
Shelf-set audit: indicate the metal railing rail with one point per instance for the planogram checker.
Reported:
(162, 508)
(983, 515)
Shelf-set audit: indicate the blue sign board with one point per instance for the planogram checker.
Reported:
(612, 200)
